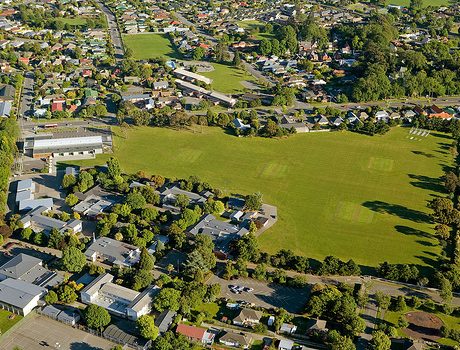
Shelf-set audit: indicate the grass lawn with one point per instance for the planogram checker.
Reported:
(425, 2)
(451, 321)
(78, 21)
(150, 45)
(249, 24)
(5, 322)
(227, 79)
(339, 193)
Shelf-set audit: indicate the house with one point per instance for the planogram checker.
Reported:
(190, 76)
(236, 203)
(238, 123)
(196, 334)
(288, 328)
(116, 299)
(29, 269)
(5, 109)
(236, 340)
(39, 222)
(93, 205)
(336, 121)
(7, 93)
(222, 233)
(169, 195)
(112, 251)
(382, 116)
(160, 85)
(321, 120)
(247, 318)
(19, 296)
(285, 344)
(436, 112)
(165, 320)
(316, 325)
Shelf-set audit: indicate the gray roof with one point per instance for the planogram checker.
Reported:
(51, 311)
(116, 252)
(30, 204)
(236, 338)
(7, 92)
(5, 109)
(174, 191)
(210, 225)
(164, 320)
(24, 195)
(19, 293)
(29, 269)
(24, 185)
(144, 299)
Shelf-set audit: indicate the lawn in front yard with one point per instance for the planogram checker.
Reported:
(150, 45)
(337, 193)
(227, 79)
(5, 322)
(249, 24)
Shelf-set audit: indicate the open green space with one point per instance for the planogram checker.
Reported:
(249, 24)
(77, 21)
(5, 322)
(150, 45)
(338, 193)
(406, 3)
(228, 79)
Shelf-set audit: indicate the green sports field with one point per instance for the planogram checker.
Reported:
(425, 2)
(228, 79)
(344, 194)
(146, 46)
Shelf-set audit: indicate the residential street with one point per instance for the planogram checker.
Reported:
(26, 102)
(113, 31)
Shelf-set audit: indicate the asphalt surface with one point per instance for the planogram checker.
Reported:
(113, 31)
(26, 104)
(35, 330)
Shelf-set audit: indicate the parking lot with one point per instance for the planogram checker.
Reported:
(35, 329)
(265, 294)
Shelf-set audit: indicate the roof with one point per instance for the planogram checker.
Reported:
(116, 252)
(24, 185)
(191, 331)
(188, 74)
(248, 314)
(31, 204)
(164, 320)
(19, 293)
(7, 92)
(211, 226)
(19, 265)
(5, 109)
(236, 338)
(144, 299)
(285, 344)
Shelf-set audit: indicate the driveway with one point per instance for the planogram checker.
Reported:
(265, 294)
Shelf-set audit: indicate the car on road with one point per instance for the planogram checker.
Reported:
(248, 289)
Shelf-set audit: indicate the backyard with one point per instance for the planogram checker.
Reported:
(344, 194)
(77, 21)
(147, 46)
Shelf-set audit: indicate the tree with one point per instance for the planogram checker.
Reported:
(66, 294)
(147, 327)
(383, 300)
(380, 341)
(336, 341)
(26, 233)
(237, 59)
(253, 201)
(96, 317)
(167, 298)
(51, 297)
(146, 261)
(73, 260)
(451, 182)
(68, 180)
(182, 201)
(71, 200)
(198, 53)
(85, 181)
(113, 167)
(247, 248)
(402, 322)
(142, 279)
(445, 289)
(135, 200)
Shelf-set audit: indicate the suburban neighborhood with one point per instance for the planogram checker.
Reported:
(229, 174)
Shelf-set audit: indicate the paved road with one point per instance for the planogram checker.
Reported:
(113, 31)
(375, 284)
(26, 102)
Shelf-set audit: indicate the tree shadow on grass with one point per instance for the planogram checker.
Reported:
(427, 183)
(420, 153)
(426, 243)
(397, 210)
(441, 136)
(409, 231)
